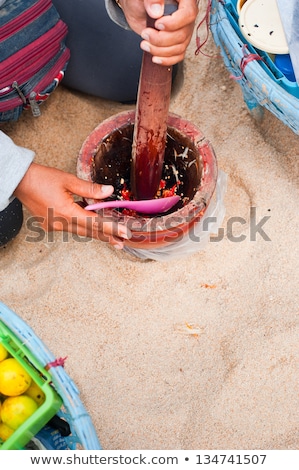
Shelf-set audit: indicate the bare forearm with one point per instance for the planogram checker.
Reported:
(48, 194)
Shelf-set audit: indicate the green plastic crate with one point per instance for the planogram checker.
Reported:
(42, 378)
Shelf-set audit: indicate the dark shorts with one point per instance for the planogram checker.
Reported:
(105, 59)
(11, 220)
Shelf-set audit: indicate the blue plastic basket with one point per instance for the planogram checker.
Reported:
(263, 85)
(83, 434)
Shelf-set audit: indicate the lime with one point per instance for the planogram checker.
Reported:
(5, 431)
(14, 380)
(16, 410)
(35, 392)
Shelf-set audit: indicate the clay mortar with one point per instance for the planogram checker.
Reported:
(190, 167)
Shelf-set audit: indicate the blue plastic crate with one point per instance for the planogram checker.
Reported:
(267, 64)
(263, 85)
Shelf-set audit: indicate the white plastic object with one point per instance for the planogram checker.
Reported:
(261, 26)
(199, 238)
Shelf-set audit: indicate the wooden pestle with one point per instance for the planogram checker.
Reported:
(150, 127)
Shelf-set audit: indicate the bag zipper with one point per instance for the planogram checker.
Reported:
(16, 24)
(50, 76)
(54, 71)
(29, 59)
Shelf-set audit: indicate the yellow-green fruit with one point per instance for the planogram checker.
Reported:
(5, 431)
(15, 410)
(14, 380)
(3, 352)
(35, 392)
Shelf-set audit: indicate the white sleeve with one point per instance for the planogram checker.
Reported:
(14, 162)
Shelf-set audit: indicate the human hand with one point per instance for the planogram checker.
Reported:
(48, 194)
(169, 41)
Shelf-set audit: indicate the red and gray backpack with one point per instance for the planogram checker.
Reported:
(33, 55)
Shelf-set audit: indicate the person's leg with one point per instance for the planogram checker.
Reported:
(105, 59)
(11, 220)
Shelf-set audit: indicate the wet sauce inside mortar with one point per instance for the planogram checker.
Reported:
(182, 167)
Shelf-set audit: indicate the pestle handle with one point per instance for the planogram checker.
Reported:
(150, 129)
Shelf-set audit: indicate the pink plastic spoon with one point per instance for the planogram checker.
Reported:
(148, 206)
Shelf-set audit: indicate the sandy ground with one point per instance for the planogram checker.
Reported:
(193, 353)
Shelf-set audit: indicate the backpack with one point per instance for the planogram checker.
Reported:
(33, 55)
